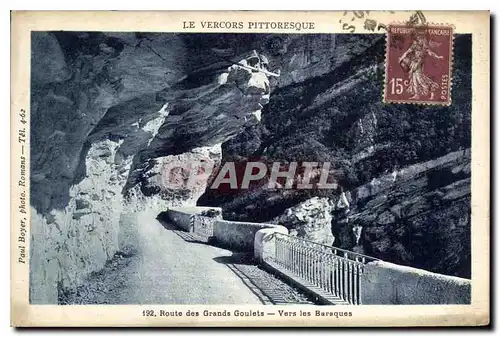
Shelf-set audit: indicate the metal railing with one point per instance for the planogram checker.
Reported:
(335, 271)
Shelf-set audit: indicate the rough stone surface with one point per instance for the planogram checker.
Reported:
(421, 218)
(311, 220)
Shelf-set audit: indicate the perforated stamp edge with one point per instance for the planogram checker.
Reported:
(450, 66)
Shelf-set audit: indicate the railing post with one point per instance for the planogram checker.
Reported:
(308, 263)
(314, 265)
(341, 278)
(356, 283)
(289, 256)
(276, 248)
(294, 258)
(351, 283)
(330, 264)
(360, 293)
(302, 261)
(344, 276)
(311, 265)
(325, 270)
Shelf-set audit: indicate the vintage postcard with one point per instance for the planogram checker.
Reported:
(257, 169)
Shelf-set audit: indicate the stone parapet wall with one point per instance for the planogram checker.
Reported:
(238, 236)
(388, 283)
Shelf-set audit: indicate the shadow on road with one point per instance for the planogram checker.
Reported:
(235, 263)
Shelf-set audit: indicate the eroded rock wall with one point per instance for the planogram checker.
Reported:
(310, 220)
(109, 112)
(417, 216)
(70, 243)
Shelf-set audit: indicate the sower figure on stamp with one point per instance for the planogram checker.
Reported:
(412, 61)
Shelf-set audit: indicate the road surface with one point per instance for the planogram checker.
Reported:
(167, 267)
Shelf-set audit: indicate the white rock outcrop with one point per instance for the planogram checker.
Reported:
(311, 220)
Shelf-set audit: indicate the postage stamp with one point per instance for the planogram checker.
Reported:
(419, 64)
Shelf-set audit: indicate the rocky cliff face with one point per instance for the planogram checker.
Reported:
(418, 216)
(109, 111)
(310, 220)
(402, 171)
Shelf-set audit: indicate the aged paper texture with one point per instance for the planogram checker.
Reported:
(269, 169)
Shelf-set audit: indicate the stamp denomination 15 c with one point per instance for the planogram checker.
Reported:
(418, 64)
